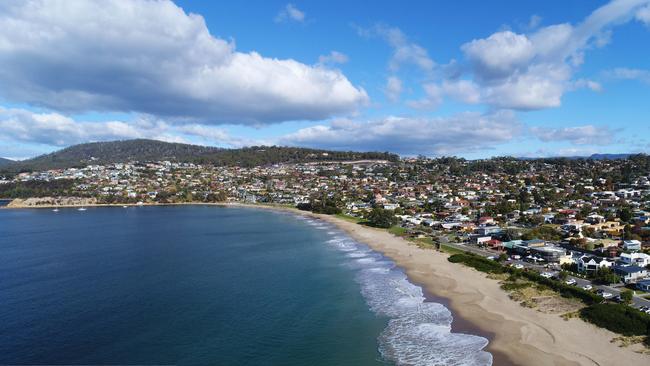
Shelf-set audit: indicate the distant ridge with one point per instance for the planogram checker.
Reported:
(152, 150)
(590, 157)
(4, 162)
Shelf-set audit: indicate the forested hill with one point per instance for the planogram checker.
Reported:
(4, 162)
(152, 150)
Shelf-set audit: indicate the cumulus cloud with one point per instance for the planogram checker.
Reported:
(464, 132)
(461, 90)
(54, 129)
(581, 135)
(290, 12)
(533, 71)
(334, 57)
(151, 57)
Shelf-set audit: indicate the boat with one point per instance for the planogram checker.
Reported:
(125, 206)
(55, 210)
(81, 209)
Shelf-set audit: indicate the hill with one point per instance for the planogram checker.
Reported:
(153, 150)
(4, 162)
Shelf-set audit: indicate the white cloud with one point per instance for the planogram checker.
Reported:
(393, 88)
(334, 57)
(533, 71)
(500, 54)
(464, 91)
(581, 135)
(464, 132)
(152, 57)
(404, 51)
(54, 129)
(290, 12)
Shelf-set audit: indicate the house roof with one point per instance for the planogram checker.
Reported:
(628, 269)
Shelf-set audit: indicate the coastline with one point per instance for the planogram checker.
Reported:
(518, 335)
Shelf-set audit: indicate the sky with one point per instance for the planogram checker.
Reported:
(474, 79)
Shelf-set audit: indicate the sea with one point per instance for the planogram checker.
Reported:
(209, 285)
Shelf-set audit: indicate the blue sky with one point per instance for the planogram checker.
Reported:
(467, 78)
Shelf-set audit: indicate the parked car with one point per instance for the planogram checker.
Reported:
(546, 274)
(570, 282)
(518, 266)
(604, 294)
(492, 258)
(587, 287)
(516, 257)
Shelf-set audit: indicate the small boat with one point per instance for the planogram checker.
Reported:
(81, 209)
(125, 206)
(55, 210)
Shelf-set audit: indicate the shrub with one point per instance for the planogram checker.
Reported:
(477, 262)
(618, 318)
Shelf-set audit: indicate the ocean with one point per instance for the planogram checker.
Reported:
(196, 285)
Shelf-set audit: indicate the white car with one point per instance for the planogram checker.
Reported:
(570, 282)
(546, 274)
(605, 295)
(587, 287)
(518, 266)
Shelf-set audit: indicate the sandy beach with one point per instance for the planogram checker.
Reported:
(520, 336)
(525, 336)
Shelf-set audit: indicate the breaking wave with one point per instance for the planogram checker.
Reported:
(418, 331)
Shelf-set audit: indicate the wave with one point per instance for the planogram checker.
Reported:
(418, 331)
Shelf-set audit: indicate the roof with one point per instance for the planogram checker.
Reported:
(628, 269)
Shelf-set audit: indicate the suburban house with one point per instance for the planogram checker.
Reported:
(630, 273)
(635, 259)
(643, 285)
(631, 245)
(590, 264)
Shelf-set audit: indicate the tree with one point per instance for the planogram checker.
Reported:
(625, 214)
(563, 275)
(626, 296)
(605, 276)
(379, 217)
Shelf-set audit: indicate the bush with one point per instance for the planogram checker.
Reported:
(477, 262)
(618, 318)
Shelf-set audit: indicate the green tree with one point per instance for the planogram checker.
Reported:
(626, 296)
(605, 276)
(379, 217)
(625, 214)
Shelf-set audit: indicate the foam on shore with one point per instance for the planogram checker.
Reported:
(418, 331)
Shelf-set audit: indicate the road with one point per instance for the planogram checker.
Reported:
(637, 301)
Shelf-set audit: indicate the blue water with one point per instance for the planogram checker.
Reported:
(196, 285)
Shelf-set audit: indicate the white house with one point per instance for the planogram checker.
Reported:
(631, 245)
(635, 259)
(591, 264)
(630, 273)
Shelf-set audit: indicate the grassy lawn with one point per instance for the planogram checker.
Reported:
(349, 218)
(397, 230)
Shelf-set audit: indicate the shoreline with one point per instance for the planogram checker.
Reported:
(517, 335)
